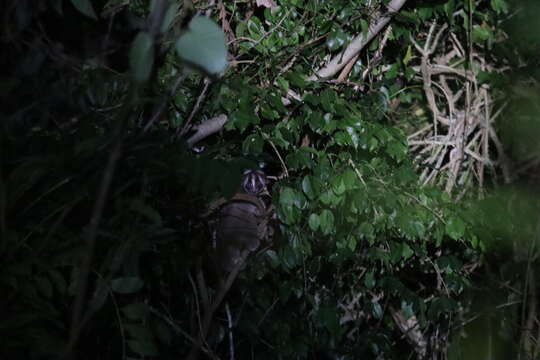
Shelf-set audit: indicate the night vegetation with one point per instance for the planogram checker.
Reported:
(396, 215)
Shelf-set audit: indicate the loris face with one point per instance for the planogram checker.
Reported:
(254, 182)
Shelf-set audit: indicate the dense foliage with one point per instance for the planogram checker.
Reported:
(108, 172)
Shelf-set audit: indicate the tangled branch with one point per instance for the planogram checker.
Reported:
(460, 144)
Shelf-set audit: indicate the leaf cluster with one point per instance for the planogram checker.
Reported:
(355, 238)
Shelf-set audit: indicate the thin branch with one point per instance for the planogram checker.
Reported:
(267, 312)
(347, 69)
(3, 203)
(200, 99)
(267, 138)
(208, 316)
(273, 29)
(120, 323)
(358, 173)
(179, 330)
(196, 294)
(161, 108)
(202, 286)
(90, 241)
(377, 57)
(357, 44)
(284, 167)
(207, 128)
(230, 324)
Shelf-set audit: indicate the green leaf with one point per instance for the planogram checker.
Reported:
(350, 179)
(455, 228)
(338, 185)
(268, 113)
(327, 221)
(289, 257)
(377, 310)
(364, 25)
(419, 229)
(405, 175)
(136, 311)
(297, 79)
(329, 123)
(253, 144)
(100, 295)
(474, 241)
(141, 56)
(481, 33)
(329, 318)
(301, 158)
(408, 55)
(328, 99)
(273, 258)
(85, 7)
(290, 196)
(314, 222)
(168, 19)
(425, 12)
(138, 332)
(352, 242)
(407, 252)
(255, 28)
(407, 309)
(366, 231)
(369, 280)
(353, 137)
(290, 201)
(316, 121)
(330, 198)
(162, 331)
(242, 119)
(373, 144)
(276, 103)
(203, 46)
(284, 84)
(127, 285)
(311, 99)
(499, 6)
(391, 73)
(311, 186)
(449, 264)
(143, 347)
(336, 40)
(441, 305)
(409, 225)
(396, 150)
(396, 250)
(140, 207)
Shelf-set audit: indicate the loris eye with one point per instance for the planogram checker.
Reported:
(254, 181)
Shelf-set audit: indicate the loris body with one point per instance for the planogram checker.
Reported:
(243, 222)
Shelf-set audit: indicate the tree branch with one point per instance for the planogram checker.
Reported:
(209, 313)
(89, 245)
(207, 128)
(357, 44)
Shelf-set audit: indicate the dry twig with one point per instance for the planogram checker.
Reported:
(455, 148)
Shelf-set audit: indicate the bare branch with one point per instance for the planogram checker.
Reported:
(207, 128)
(357, 44)
(198, 103)
(209, 313)
(90, 239)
